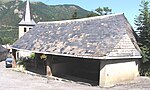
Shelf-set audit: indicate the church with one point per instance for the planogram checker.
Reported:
(101, 49)
(27, 22)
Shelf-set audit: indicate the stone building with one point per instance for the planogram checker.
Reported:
(101, 48)
(3, 53)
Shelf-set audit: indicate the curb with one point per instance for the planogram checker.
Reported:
(44, 76)
(28, 72)
(49, 77)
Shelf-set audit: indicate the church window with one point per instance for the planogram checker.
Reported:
(25, 29)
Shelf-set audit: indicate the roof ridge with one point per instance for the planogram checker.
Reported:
(83, 19)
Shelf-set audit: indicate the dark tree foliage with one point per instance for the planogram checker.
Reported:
(100, 11)
(143, 26)
(75, 15)
(103, 11)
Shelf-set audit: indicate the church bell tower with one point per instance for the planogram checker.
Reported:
(27, 22)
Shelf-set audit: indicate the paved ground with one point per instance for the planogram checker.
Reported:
(12, 80)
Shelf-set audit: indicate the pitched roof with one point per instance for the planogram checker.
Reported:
(26, 20)
(88, 37)
(2, 49)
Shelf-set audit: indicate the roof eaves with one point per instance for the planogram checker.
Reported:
(89, 57)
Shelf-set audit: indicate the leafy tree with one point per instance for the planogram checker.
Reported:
(143, 26)
(100, 11)
(74, 15)
(103, 11)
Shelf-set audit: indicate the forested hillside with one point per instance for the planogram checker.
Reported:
(11, 12)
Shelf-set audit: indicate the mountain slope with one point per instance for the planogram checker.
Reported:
(12, 12)
(4, 1)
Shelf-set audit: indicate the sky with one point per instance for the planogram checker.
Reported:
(129, 7)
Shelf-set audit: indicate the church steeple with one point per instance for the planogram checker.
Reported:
(27, 13)
(27, 22)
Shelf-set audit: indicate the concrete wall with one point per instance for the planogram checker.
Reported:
(115, 71)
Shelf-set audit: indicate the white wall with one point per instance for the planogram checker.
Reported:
(20, 54)
(116, 71)
(21, 30)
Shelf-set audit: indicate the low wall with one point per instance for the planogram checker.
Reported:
(115, 71)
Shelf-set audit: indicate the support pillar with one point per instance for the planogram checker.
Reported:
(37, 56)
(14, 64)
(48, 65)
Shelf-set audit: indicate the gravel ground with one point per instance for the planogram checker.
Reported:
(140, 83)
(12, 80)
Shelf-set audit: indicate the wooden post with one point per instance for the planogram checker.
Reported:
(35, 61)
(48, 65)
(14, 64)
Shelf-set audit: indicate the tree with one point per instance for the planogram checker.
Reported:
(100, 11)
(103, 11)
(74, 15)
(143, 26)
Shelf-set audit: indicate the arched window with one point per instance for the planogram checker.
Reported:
(25, 29)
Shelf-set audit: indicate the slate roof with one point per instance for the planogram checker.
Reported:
(2, 49)
(88, 37)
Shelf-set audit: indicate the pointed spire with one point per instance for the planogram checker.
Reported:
(27, 20)
(27, 12)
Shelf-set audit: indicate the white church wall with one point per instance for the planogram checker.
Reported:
(23, 54)
(22, 30)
